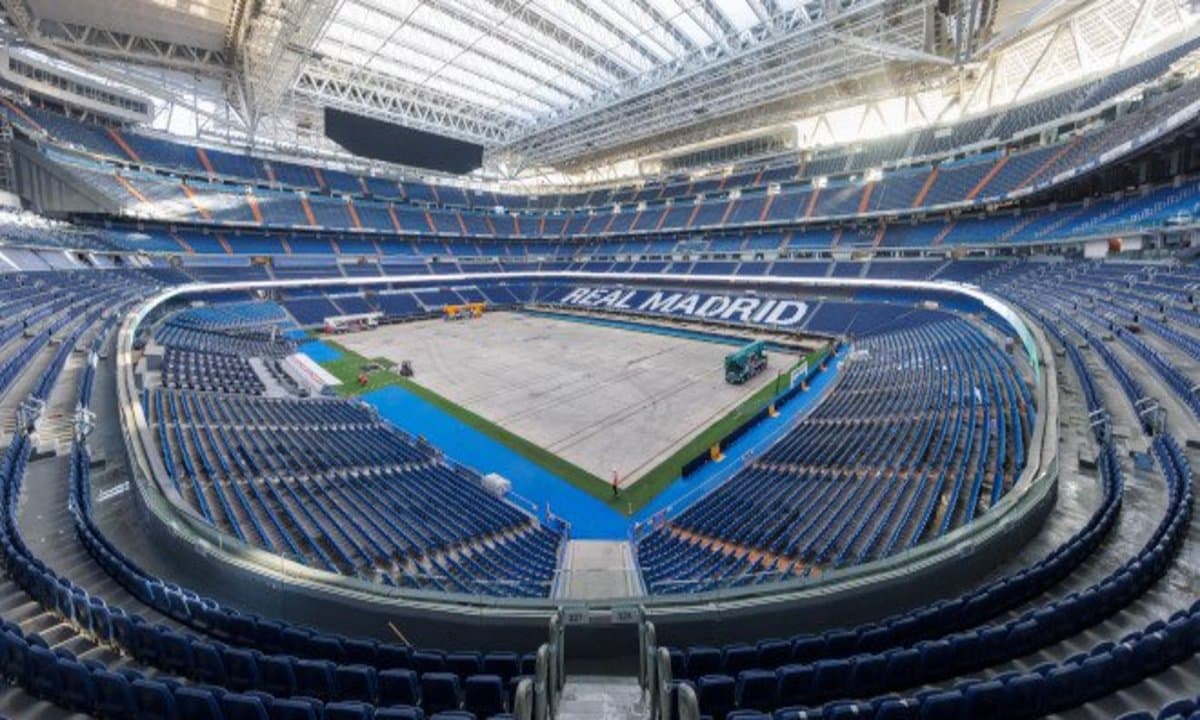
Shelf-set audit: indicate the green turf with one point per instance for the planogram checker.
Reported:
(349, 366)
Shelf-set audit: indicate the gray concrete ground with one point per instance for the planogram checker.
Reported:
(602, 398)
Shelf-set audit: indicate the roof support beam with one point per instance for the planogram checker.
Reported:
(541, 24)
(329, 82)
(891, 50)
(665, 23)
(705, 20)
(634, 42)
(99, 42)
(760, 10)
(1138, 22)
(1028, 19)
(756, 67)
(535, 107)
(277, 44)
(727, 28)
(460, 12)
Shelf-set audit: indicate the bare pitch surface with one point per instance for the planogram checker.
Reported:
(601, 398)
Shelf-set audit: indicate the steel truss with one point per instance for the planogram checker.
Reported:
(110, 44)
(554, 89)
(757, 72)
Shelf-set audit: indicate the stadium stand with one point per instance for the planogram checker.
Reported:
(885, 477)
(985, 511)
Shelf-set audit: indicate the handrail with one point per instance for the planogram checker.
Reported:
(523, 703)
(542, 699)
(146, 464)
(662, 689)
(689, 704)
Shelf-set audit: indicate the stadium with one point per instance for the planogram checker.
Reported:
(599, 359)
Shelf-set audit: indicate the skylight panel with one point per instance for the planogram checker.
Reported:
(590, 31)
(639, 27)
(738, 13)
(677, 13)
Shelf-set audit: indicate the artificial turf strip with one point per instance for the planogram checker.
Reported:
(348, 367)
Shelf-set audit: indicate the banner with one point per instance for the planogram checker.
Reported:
(701, 306)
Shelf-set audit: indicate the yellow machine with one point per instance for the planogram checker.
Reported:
(463, 312)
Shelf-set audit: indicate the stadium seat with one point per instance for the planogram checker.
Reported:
(440, 691)
(717, 694)
(485, 695)
(244, 707)
(399, 687)
(197, 704)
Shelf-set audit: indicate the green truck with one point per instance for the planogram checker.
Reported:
(747, 362)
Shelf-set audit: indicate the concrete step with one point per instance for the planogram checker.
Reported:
(602, 698)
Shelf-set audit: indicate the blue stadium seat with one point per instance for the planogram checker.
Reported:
(399, 713)
(154, 700)
(506, 665)
(399, 687)
(296, 709)
(244, 707)
(197, 704)
(278, 673)
(316, 677)
(464, 664)
(485, 695)
(756, 689)
(440, 691)
(356, 682)
(703, 660)
(796, 684)
(114, 696)
(78, 690)
(736, 658)
(348, 711)
(717, 695)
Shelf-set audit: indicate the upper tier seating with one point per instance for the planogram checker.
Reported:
(276, 202)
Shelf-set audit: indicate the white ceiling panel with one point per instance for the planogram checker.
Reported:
(196, 23)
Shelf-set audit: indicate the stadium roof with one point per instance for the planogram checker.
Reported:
(568, 82)
(199, 23)
(553, 79)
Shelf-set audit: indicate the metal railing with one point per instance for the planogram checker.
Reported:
(187, 527)
(550, 674)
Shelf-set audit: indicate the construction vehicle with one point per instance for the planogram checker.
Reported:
(469, 311)
(747, 362)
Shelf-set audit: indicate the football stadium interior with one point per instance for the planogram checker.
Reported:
(599, 359)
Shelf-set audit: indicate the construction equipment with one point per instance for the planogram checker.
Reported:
(744, 364)
(464, 312)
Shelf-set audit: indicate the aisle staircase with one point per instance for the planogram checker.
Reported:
(602, 698)
(594, 569)
(7, 171)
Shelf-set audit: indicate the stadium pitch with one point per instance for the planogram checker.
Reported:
(598, 398)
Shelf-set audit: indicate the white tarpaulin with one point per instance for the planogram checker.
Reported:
(308, 373)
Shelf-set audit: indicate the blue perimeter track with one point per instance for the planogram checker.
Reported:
(590, 519)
